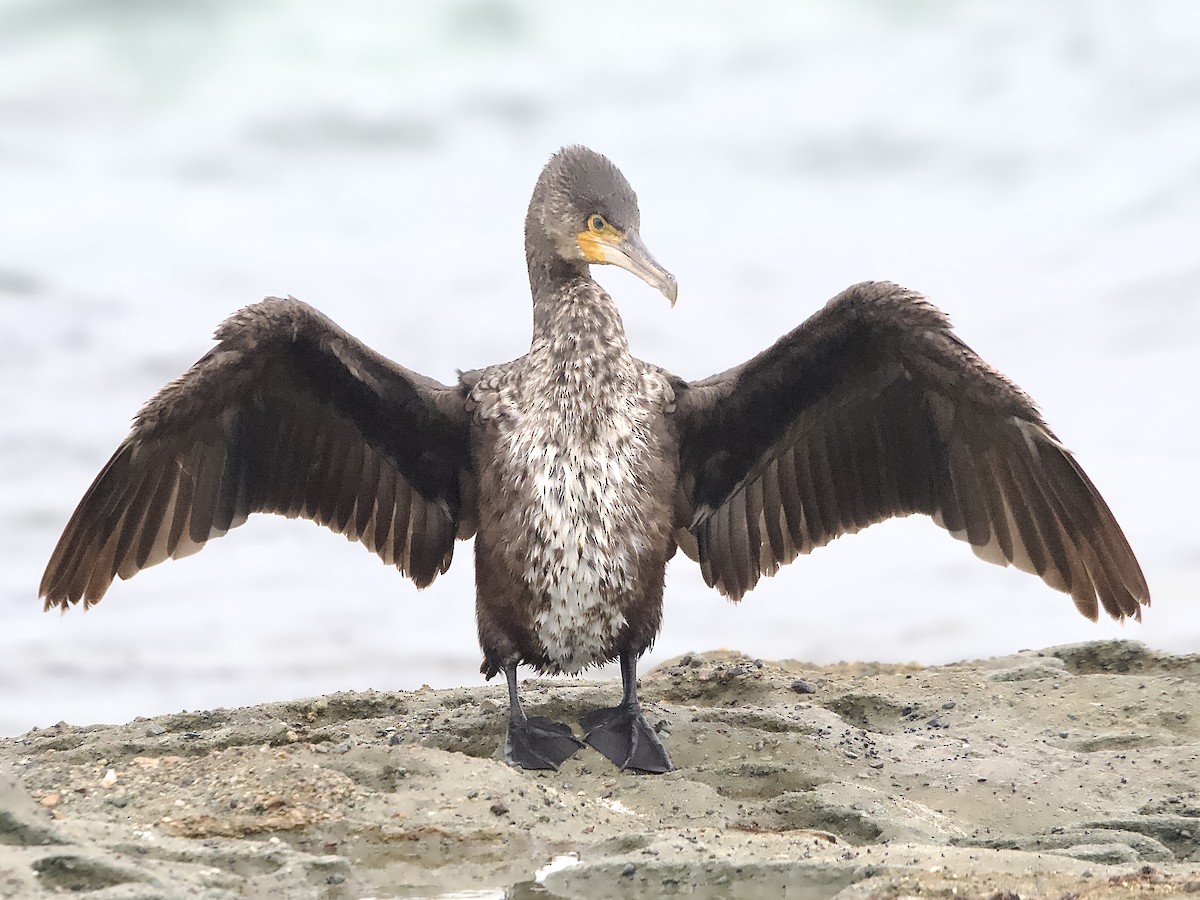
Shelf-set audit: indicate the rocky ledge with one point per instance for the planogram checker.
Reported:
(1069, 772)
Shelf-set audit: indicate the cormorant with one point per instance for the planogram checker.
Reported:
(580, 469)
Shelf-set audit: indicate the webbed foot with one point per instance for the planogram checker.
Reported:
(539, 743)
(622, 734)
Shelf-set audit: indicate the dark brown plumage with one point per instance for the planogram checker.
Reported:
(582, 468)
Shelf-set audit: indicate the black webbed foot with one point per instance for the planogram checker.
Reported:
(623, 735)
(539, 743)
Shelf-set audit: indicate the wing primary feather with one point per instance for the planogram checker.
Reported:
(99, 514)
(1115, 597)
(232, 484)
(833, 476)
(887, 460)
(384, 512)
(1018, 497)
(849, 474)
(207, 483)
(366, 501)
(350, 479)
(949, 516)
(294, 480)
(994, 502)
(315, 481)
(153, 548)
(773, 515)
(790, 471)
(135, 523)
(1096, 517)
(1089, 525)
(739, 544)
(332, 480)
(922, 452)
(153, 525)
(970, 493)
(704, 554)
(182, 508)
(717, 528)
(132, 515)
(1044, 507)
(279, 493)
(754, 533)
(102, 570)
(419, 565)
(822, 511)
(400, 519)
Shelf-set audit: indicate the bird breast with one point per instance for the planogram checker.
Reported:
(571, 448)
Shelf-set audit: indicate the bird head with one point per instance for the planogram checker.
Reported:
(588, 212)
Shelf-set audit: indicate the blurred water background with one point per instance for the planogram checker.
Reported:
(1033, 167)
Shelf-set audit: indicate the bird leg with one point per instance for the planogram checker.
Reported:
(622, 733)
(534, 742)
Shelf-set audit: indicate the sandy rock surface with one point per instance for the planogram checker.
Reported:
(1071, 772)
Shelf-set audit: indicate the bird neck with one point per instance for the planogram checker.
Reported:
(571, 312)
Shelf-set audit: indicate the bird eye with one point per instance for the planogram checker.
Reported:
(597, 223)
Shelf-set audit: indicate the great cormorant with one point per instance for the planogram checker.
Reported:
(580, 469)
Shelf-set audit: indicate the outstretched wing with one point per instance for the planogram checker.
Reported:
(288, 414)
(872, 409)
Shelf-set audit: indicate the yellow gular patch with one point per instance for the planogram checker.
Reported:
(593, 244)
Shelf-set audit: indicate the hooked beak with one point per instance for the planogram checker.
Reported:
(630, 254)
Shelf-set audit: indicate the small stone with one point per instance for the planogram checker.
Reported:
(949, 704)
(335, 878)
(499, 808)
(154, 730)
(50, 800)
(800, 686)
(628, 871)
(292, 737)
(343, 747)
(1063, 734)
(394, 740)
(473, 793)
(110, 778)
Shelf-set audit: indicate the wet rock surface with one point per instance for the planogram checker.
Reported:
(1068, 772)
